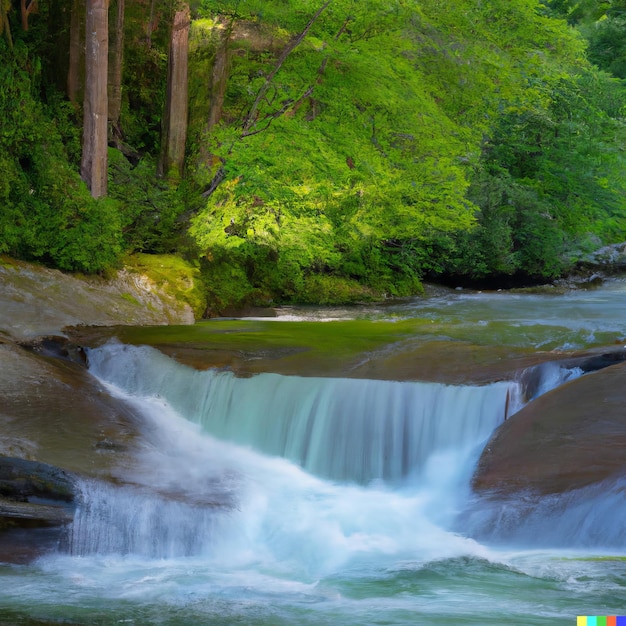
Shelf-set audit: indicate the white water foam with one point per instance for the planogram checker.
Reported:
(338, 428)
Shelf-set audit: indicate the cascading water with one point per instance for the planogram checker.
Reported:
(342, 429)
(592, 516)
(385, 445)
(399, 449)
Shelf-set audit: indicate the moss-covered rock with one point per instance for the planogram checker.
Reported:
(36, 301)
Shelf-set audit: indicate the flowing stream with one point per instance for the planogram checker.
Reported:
(294, 500)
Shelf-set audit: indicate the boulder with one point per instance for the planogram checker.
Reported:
(36, 505)
(568, 438)
(52, 410)
(22, 480)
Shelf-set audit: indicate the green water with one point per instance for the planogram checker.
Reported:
(537, 589)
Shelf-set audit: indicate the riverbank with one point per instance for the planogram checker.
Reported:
(51, 410)
(38, 301)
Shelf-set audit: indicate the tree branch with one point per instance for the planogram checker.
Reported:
(262, 95)
(295, 42)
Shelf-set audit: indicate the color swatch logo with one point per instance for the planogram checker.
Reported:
(600, 620)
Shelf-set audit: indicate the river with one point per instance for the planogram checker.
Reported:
(287, 499)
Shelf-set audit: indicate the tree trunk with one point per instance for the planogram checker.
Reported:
(151, 23)
(219, 78)
(76, 52)
(174, 126)
(93, 167)
(27, 7)
(116, 57)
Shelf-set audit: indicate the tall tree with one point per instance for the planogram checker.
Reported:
(116, 58)
(93, 168)
(27, 7)
(219, 76)
(76, 52)
(151, 25)
(174, 125)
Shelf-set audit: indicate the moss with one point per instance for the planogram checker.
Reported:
(336, 340)
(172, 275)
(129, 298)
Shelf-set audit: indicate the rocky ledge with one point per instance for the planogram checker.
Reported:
(36, 505)
(571, 437)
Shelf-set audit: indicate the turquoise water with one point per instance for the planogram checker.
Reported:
(545, 321)
(285, 500)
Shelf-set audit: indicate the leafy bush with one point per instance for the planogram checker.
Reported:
(48, 213)
(152, 212)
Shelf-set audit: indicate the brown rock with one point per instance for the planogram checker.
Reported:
(52, 410)
(568, 438)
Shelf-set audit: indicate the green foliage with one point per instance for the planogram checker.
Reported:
(396, 140)
(152, 213)
(392, 129)
(607, 44)
(542, 185)
(48, 213)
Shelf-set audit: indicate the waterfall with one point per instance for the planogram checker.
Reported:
(315, 472)
(344, 429)
(130, 520)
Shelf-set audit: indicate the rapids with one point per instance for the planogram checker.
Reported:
(277, 500)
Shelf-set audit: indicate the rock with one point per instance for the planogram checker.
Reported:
(37, 301)
(571, 437)
(54, 411)
(36, 504)
(607, 260)
(53, 415)
(21, 480)
(613, 256)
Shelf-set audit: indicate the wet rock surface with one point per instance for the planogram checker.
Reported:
(434, 360)
(55, 419)
(571, 437)
(56, 422)
(22, 480)
(36, 504)
(52, 410)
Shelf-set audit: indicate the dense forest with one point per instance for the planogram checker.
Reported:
(314, 151)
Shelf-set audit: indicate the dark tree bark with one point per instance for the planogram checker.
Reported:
(76, 51)
(174, 125)
(219, 77)
(93, 168)
(116, 60)
(150, 26)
